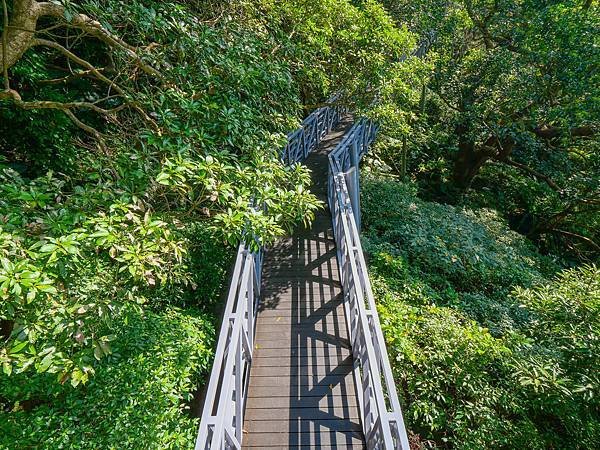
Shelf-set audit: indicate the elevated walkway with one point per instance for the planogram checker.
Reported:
(302, 392)
(301, 361)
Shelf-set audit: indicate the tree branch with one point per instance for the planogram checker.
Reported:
(70, 105)
(578, 236)
(550, 132)
(533, 172)
(446, 102)
(19, 35)
(85, 127)
(95, 28)
(82, 62)
(94, 71)
(72, 76)
(64, 107)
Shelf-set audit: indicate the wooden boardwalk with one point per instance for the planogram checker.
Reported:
(302, 393)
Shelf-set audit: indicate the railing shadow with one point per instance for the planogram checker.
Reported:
(301, 273)
(323, 409)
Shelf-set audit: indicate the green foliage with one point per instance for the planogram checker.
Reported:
(471, 249)
(507, 111)
(53, 296)
(108, 229)
(137, 399)
(100, 241)
(226, 189)
(487, 349)
(340, 46)
(564, 330)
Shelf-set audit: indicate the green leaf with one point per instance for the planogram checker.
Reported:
(68, 15)
(47, 248)
(17, 347)
(45, 363)
(7, 368)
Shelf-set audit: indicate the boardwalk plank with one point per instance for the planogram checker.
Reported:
(285, 345)
(329, 317)
(319, 390)
(303, 439)
(303, 371)
(319, 425)
(321, 351)
(339, 412)
(314, 405)
(299, 361)
(284, 383)
(285, 313)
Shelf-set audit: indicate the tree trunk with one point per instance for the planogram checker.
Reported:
(469, 159)
(20, 31)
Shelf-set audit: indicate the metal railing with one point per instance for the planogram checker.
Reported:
(381, 415)
(308, 137)
(223, 412)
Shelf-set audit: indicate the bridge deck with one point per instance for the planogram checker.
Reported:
(302, 392)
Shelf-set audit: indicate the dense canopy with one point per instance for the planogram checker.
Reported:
(134, 135)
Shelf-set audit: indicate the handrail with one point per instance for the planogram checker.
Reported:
(233, 357)
(381, 415)
(308, 137)
(223, 412)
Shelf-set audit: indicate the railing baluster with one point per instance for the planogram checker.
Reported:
(239, 415)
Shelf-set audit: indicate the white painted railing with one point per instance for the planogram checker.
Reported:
(380, 410)
(314, 128)
(223, 412)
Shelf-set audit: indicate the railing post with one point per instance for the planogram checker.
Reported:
(355, 189)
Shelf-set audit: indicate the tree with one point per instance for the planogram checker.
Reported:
(513, 85)
(21, 33)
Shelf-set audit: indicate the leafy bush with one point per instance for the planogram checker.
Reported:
(488, 351)
(137, 399)
(558, 360)
(474, 250)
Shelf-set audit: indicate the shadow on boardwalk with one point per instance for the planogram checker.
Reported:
(302, 392)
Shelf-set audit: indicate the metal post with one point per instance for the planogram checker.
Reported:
(355, 183)
(351, 177)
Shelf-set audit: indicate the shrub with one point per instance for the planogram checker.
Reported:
(557, 367)
(137, 399)
(487, 351)
(474, 250)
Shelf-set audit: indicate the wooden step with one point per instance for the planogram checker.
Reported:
(289, 312)
(294, 319)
